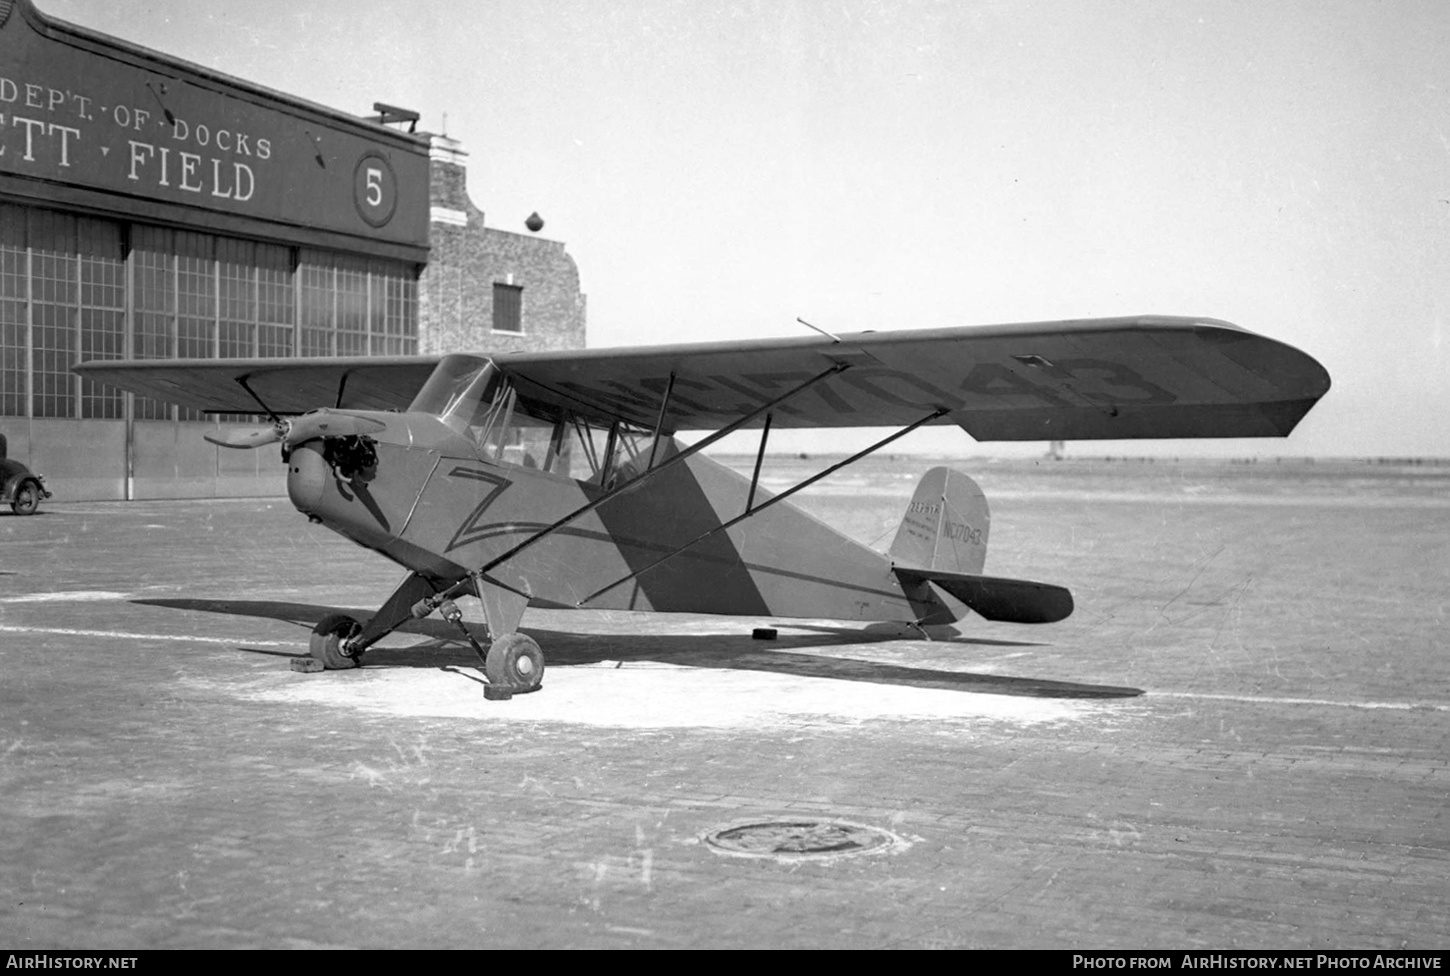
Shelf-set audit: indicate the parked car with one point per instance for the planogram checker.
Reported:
(19, 486)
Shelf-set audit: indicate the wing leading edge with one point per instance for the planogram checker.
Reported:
(1147, 376)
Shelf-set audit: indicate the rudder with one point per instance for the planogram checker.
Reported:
(945, 526)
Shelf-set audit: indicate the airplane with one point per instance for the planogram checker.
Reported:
(555, 479)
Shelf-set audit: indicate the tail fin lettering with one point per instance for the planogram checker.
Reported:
(945, 526)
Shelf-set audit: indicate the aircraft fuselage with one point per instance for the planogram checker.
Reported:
(439, 505)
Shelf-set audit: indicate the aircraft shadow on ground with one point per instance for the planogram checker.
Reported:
(446, 648)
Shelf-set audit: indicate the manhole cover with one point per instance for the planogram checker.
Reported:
(799, 839)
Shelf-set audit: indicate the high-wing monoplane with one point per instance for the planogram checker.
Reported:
(554, 479)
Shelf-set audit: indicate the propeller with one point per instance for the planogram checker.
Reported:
(291, 432)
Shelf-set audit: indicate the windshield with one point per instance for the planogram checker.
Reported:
(459, 392)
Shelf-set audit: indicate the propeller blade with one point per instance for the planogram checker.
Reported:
(325, 423)
(245, 439)
(309, 426)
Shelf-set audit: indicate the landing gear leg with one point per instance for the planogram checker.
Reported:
(512, 663)
(338, 640)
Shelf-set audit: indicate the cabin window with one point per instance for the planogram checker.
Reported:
(483, 405)
(554, 440)
(631, 454)
(606, 456)
(470, 395)
(560, 442)
(575, 448)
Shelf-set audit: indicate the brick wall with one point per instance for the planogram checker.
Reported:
(455, 294)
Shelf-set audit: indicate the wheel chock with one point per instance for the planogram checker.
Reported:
(307, 664)
(497, 692)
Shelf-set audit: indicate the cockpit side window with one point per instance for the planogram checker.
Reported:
(577, 448)
(506, 426)
(631, 454)
(610, 456)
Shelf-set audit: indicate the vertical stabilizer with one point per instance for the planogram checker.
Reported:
(945, 526)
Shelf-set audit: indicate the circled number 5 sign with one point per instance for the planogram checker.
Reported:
(375, 189)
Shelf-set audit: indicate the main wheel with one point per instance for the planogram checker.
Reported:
(27, 499)
(515, 663)
(329, 635)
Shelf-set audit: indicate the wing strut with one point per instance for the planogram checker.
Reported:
(759, 457)
(660, 423)
(749, 511)
(427, 606)
(242, 382)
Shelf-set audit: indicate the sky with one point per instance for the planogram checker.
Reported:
(717, 169)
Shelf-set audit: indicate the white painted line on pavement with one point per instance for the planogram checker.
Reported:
(65, 596)
(1268, 700)
(126, 635)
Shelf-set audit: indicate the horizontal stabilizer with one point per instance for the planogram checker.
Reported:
(1008, 600)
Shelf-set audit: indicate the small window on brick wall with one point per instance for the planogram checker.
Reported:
(508, 308)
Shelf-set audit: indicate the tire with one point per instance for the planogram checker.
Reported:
(515, 663)
(27, 499)
(328, 637)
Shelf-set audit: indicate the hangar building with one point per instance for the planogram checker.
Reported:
(151, 209)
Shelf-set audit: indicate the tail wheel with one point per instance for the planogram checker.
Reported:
(27, 499)
(328, 637)
(515, 663)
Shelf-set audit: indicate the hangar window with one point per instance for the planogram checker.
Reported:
(14, 299)
(54, 288)
(103, 311)
(352, 307)
(195, 296)
(276, 300)
(316, 315)
(67, 282)
(356, 307)
(393, 321)
(154, 291)
(236, 298)
(508, 308)
(77, 308)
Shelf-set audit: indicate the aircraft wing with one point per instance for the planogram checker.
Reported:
(287, 386)
(1146, 376)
